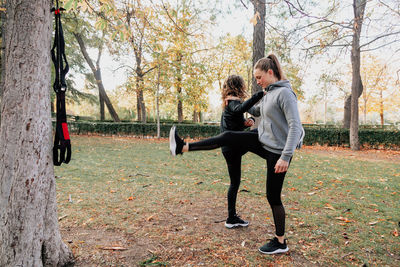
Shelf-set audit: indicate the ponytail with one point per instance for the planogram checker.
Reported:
(271, 62)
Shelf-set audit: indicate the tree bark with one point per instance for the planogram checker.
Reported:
(258, 37)
(347, 112)
(179, 87)
(103, 97)
(158, 102)
(140, 104)
(2, 61)
(356, 84)
(381, 107)
(29, 230)
(101, 103)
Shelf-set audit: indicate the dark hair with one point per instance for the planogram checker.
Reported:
(234, 85)
(270, 62)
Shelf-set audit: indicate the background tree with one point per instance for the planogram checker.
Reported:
(326, 32)
(326, 81)
(98, 42)
(29, 231)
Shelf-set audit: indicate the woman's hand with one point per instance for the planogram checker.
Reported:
(281, 166)
(249, 123)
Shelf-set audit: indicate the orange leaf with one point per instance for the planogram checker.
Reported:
(130, 198)
(344, 219)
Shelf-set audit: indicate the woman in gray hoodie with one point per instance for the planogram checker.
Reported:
(277, 136)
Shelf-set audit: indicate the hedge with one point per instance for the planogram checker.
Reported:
(375, 138)
(141, 129)
(340, 137)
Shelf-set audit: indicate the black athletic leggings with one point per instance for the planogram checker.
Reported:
(248, 141)
(233, 160)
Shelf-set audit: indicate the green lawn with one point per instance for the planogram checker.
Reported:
(169, 211)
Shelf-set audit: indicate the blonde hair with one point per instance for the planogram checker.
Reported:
(271, 62)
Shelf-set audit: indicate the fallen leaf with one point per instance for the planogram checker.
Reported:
(329, 206)
(114, 248)
(373, 223)
(130, 198)
(150, 218)
(344, 219)
(311, 193)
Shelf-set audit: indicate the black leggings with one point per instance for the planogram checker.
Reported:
(233, 160)
(248, 141)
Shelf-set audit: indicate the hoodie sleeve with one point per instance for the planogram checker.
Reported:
(288, 104)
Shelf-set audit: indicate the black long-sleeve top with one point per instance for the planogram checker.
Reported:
(232, 118)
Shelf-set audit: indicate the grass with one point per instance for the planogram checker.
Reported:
(169, 211)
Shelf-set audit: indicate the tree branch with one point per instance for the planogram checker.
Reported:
(380, 37)
(173, 21)
(386, 44)
(324, 19)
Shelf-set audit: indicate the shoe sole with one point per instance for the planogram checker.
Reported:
(275, 251)
(230, 226)
(172, 141)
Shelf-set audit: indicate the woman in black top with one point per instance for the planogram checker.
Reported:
(232, 119)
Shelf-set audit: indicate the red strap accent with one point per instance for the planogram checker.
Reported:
(57, 11)
(64, 126)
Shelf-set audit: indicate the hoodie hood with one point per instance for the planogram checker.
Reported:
(281, 83)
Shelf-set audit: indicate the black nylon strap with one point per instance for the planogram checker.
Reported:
(62, 142)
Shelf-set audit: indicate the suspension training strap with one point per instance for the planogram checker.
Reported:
(62, 141)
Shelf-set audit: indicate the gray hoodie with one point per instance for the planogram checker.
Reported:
(280, 130)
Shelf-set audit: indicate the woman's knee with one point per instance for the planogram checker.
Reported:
(274, 199)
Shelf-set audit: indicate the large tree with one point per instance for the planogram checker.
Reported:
(29, 230)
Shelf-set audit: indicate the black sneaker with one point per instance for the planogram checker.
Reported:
(175, 142)
(235, 221)
(274, 247)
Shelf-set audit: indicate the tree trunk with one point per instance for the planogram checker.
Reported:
(142, 105)
(158, 102)
(347, 112)
(2, 61)
(29, 230)
(101, 103)
(381, 107)
(356, 84)
(138, 101)
(196, 116)
(103, 98)
(258, 37)
(179, 87)
(180, 108)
